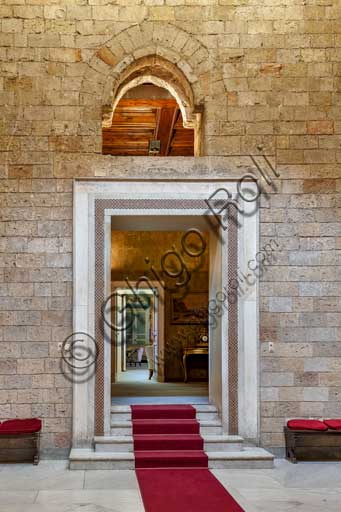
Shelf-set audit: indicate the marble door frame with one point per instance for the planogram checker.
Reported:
(91, 412)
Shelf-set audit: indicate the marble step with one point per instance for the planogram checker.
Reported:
(204, 412)
(83, 458)
(210, 427)
(124, 428)
(212, 443)
(114, 443)
(249, 458)
(121, 428)
(223, 442)
(199, 407)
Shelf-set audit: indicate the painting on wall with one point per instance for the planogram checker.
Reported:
(191, 309)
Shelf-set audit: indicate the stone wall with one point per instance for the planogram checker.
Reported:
(268, 74)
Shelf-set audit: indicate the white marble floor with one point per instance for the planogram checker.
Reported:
(51, 487)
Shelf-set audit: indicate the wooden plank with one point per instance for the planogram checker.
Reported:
(124, 127)
(183, 137)
(182, 143)
(139, 103)
(137, 121)
(165, 128)
(125, 152)
(134, 118)
(124, 144)
(181, 151)
(132, 136)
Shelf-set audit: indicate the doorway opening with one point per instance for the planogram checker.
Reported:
(136, 330)
(131, 204)
(160, 284)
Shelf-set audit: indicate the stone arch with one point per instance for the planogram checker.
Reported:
(160, 72)
(160, 52)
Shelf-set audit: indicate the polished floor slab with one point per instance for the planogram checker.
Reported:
(155, 400)
(133, 387)
(305, 487)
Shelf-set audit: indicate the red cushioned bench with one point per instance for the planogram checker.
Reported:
(313, 440)
(20, 437)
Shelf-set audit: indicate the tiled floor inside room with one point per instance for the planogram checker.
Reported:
(51, 487)
(134, 387)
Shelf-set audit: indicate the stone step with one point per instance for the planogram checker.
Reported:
(114, 444)
(212, 443)
(124, 416)
(83, 458)
(210, 427)
(222, 442)
(124, 427)
(121, 428)
(204, 412)
(249, 458)
(198, 407)
(170, 459)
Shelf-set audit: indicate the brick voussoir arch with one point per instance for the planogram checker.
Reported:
(166, 35)
(177, 53)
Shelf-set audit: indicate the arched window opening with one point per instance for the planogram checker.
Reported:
(148, 120)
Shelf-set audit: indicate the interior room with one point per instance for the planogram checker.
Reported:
(160, 341)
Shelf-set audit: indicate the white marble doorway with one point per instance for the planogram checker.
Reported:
(95, 203)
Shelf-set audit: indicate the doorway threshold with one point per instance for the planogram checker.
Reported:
(156, 400)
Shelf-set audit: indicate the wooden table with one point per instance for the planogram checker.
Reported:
(192, 351)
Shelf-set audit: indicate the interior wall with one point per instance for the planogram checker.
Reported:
(268, 77)
(128, 252)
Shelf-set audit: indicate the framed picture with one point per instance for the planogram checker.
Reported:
(191, 309)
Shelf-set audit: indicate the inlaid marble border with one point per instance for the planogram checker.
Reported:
(232, 254)
(233, 346)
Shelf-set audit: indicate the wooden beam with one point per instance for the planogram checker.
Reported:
(165, 128)
(177, 115)
(138, 121)
(143, 103)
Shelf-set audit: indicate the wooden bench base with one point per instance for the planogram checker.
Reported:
(312, 445)
(20, 448)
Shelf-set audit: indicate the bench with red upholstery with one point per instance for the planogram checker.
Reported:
(309, 439)
(20, 437)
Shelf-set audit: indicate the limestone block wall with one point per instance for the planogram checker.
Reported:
(268, 74)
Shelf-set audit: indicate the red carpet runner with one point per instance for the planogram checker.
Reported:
(171, 466)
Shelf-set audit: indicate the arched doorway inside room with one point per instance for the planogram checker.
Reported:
(148, 121)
